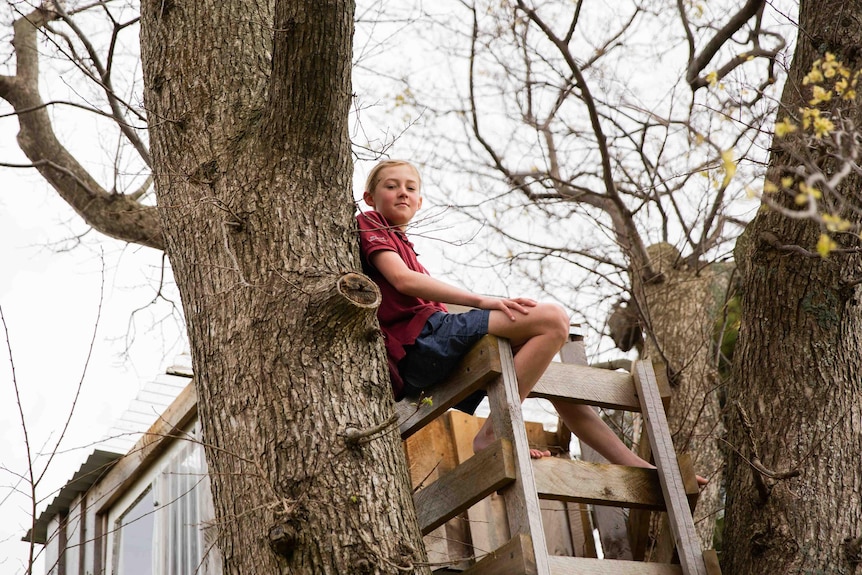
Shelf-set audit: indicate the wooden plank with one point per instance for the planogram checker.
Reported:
(473, 480)
(431, 453)
(522, 503)
(479, 367)
(589, 385)
(710, 558)
(609, 521)
(580, 522)
(487, 519)
(588, 566)
(679, 514)
(597, 483)
(514, 558)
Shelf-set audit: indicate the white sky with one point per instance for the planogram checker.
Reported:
(51, 302)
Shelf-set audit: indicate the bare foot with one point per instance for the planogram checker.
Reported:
(485, 438)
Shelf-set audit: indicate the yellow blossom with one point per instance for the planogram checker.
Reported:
(786, 181)
(712, 78)
(784, 127)
(836, 223)
(813, 77)
(769, 187)
(810, 191)
(800, 199)
(808, 116)
(822, 127)
(825, 245)
(820, 96)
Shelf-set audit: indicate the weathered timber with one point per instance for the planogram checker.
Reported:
(598, 483)
(479, 367)
(589, 566)
(589, 385)
(522, 502)
(516, 557)
(679, 514)
(473, 480)
(609, 521)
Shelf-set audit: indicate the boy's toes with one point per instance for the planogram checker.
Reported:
(539, 453)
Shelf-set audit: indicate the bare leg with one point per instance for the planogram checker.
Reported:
(538, 335)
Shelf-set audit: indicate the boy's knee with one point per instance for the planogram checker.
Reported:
(558, 321)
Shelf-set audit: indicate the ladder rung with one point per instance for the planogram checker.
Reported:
(598, 483)
(590, 385)
(479, 366)
(514, 558)
(484, 473)
(588, 566)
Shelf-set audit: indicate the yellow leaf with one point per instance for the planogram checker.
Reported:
(801, 199)
(769, 187)
(787, 181)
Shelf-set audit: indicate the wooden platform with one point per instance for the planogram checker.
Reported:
(499, 512)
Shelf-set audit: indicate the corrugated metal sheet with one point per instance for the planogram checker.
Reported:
(97, 464)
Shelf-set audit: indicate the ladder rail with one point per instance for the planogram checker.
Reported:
(670, 478)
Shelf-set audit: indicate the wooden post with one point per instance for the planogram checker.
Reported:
(522, 501)
(679, 514)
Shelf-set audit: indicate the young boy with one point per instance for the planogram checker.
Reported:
(424, 342)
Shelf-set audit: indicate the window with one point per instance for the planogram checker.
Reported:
(159, 526)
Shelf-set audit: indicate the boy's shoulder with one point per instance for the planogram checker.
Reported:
(375, 233)
(371, 220)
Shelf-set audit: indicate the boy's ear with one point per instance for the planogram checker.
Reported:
(369, 198)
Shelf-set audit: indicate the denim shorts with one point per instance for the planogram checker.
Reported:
(443, 342)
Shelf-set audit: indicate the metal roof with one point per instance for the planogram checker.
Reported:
(97, 464)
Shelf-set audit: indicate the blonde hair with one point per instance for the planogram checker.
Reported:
(374, 176)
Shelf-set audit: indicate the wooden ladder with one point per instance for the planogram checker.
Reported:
(506, 467)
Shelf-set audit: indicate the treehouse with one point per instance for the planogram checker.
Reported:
(145, 509)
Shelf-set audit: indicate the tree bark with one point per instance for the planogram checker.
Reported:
(794, 400)
(247, 105)
(680, 313)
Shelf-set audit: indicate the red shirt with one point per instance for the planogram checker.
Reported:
(401, 317)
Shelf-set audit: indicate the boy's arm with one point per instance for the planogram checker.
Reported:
(420, 285)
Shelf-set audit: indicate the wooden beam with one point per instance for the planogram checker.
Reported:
(514, 558)
(589, 385)
(679, 514)
(588, 566)
(474, 372)
(167, 428)
(597, 483)
(522, 503)
(470, 482)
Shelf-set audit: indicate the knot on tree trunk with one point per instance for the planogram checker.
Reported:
(347, 305)
(283, 539)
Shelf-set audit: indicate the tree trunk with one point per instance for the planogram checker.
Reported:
(247, 104)
(680, 313)
(795, 400)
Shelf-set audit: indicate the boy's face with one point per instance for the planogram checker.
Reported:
(396, 195)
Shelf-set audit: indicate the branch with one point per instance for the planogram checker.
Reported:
(699, 62)
(115, 215)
